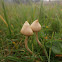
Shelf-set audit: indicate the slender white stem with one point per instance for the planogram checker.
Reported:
(26, 45)
(38, 39)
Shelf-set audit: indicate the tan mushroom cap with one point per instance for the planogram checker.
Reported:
(36, 26)
(26, 29)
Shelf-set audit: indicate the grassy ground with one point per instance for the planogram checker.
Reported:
(12, 18)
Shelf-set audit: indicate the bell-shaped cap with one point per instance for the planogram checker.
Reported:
(26, 29)
(36, 26)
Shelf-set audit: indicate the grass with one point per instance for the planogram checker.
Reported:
(12, 18)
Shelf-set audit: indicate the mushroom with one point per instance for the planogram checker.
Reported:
(27, 31)
(36, 27)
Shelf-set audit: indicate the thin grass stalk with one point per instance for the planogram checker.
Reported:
(50, 48)
(32, 48)
(6, 17)
(45, 51)
(4, 20)
(49, 55)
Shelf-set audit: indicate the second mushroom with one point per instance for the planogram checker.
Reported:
(36, 27)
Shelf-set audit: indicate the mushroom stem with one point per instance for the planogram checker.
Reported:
(38, 39)
(26, 45)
